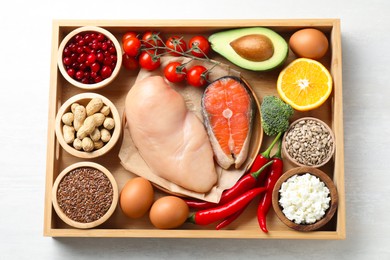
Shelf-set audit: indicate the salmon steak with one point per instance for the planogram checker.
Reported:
(228, 109)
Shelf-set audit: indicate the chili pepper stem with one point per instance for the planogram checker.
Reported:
(256, 174)
(267, 152)
(191, 219)
(278, 154)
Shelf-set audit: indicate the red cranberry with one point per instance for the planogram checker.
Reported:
(81, 42)
(75, 65)
(82, 58)
(86, 49)
(87, 38)
(72, 47)
(100, 57)
(79, 75)
(98, 79)
(71, 72)
(106, 72)
(95, 46)
(78, 37)
(95, 67)
(73, 57)
(67, 61)
(91, 58)
(100, 37)
(67, 52)
(82, 66)
(112, 50)
(107, 61)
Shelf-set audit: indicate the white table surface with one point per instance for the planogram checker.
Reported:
(25, 28)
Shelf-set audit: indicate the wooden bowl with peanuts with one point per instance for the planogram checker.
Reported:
(88, 125)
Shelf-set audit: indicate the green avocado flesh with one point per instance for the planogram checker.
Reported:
(221, 42)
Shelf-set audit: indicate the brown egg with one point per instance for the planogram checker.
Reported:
(309, 43)
(136, 197)
(168, 212)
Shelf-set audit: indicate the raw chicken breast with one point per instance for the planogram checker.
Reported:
(171, 139)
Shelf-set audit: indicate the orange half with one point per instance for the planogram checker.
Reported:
(305, 84)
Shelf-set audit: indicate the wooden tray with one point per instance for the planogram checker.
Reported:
(264, 83)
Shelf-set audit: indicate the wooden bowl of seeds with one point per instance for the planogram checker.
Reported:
(88, 125)
(309, 142)
(85, 195)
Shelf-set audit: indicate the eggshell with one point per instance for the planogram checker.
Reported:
(136, 197)
(168, 212)
(309, 43)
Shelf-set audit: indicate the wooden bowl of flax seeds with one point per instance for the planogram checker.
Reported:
(309, 142)
(85, 195)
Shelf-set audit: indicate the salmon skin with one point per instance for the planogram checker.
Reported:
(228, 110)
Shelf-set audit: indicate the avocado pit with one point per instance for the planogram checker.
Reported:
(253, 47)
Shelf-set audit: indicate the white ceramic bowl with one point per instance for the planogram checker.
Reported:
(82, 30)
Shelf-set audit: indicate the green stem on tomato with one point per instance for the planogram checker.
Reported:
(184, 54)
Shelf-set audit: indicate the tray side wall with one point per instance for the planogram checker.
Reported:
(338, 128)
(51, 140)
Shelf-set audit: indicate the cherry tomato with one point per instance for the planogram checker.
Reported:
(130, 63)
(128, 35)
(196, 76)
(152, 39)
(174, 72)
(147, 62)
(132, 46)
(199, 45)
(176, 43)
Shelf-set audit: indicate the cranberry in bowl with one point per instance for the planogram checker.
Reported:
(89, 57)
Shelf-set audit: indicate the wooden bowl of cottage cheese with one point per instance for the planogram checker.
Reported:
(305, 198)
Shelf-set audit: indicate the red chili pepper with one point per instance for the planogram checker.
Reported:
(262, 159)
(247, 182)
(208, 216)
(230, 219)
(265, 202)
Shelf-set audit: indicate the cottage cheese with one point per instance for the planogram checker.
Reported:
(304, 198)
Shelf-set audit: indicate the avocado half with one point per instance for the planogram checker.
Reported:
(221, 42)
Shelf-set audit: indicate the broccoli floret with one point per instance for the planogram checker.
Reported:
(275, 115)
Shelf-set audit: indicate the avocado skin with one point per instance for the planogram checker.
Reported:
(220, 43)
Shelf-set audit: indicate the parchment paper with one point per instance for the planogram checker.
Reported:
(132, 160)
